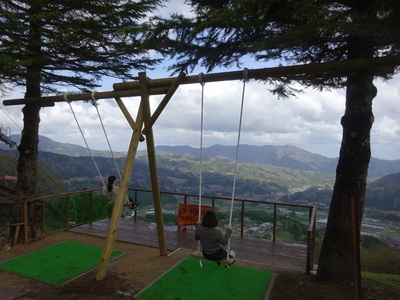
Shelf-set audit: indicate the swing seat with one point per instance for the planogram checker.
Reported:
(227, 261)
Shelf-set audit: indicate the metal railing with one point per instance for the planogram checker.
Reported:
(63, 211)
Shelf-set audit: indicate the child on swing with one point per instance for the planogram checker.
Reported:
(111, 190)
(211, 238)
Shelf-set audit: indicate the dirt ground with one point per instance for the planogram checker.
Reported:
(126, 275)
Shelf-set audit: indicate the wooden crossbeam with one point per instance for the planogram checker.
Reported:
(161, 86)
(44, 101)
(335, 69)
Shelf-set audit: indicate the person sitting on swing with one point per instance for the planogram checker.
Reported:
(111, 190)
(211, 238)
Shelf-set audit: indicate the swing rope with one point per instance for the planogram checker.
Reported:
(201, 148)
(83, 136)
(245, 78)
(94, 103)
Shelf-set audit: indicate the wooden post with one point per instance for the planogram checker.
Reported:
(125, 112)
(43, 217)
(274, 226)
(67, 213)
(151, 152)
(128, 117)
(91, 206)
(16, 233)
(242, 221)
(116, 214)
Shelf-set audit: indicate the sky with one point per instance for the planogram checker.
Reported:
(310, 121)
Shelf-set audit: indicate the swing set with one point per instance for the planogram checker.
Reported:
(144, 121)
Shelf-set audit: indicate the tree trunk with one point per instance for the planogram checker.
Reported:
(336, 261)
(336, 258)
(28, 150)
(27, 168)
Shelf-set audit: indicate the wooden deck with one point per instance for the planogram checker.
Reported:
(278, 254)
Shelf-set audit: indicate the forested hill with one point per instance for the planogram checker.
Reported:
(280, 156)
(274, 173)
(384, 193)
(180, 174)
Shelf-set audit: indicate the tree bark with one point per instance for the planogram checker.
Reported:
(28, 150)
(336, 260)
(27, 167)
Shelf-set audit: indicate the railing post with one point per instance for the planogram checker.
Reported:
(136, 201)
(67, 213)
(43, 217)
(308, 259)
(274, 225)
(311, 240)
(242, 221)
(91, 208)
(185, 199)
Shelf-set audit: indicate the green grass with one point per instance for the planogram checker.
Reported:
(192, 281)
(384, 284)
(56, 264)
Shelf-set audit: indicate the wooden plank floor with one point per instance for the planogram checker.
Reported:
(278, 254)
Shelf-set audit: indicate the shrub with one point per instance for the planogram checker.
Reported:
(380, 259)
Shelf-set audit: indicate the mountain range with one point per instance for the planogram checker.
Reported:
(265, 172)
(280, 156)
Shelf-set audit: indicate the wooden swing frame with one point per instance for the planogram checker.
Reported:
(145, 87)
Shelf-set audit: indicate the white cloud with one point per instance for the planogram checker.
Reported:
(311, 121)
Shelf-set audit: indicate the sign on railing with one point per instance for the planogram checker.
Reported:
(188, 214)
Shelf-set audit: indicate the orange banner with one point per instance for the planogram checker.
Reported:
(188, 214)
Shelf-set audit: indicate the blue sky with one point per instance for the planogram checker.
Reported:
(310, 121)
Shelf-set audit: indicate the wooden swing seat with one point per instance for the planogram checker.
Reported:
(226, 261)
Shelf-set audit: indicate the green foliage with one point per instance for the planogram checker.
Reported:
(75, 210)
(222, 33)
(169, 199)
(368, 242)
(259, 216)
(48, 184)
(381, 259)
(72, 42)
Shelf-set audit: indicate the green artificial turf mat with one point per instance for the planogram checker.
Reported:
(188, 280)
(57, 264)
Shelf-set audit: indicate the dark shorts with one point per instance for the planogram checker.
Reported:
(221, 254)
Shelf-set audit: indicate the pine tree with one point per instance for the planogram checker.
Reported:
(223, 32)
(46, 45)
